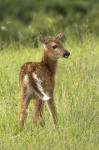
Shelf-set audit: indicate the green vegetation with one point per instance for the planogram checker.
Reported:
(24, 20)
(76, 96)
(77, 88)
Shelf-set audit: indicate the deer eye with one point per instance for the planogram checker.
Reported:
(54, 46)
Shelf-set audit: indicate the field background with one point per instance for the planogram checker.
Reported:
(77, 78)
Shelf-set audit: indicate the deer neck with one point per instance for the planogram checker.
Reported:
(50, 63)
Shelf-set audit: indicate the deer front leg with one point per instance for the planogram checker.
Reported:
(52, 110)
(38, 112)
(24, 102)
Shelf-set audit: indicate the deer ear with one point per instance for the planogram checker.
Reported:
(43, 38)
(60, 36)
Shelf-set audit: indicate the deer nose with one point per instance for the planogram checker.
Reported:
(66, 54)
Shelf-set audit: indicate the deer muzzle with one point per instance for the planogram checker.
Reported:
(66, 54)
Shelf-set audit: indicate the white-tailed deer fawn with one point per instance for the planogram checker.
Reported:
(37, 80)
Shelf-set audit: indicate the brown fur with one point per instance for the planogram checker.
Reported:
(45, 71)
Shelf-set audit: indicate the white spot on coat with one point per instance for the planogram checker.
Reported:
(26, 79)
(38, 82)
(29, 90)
(46, 98)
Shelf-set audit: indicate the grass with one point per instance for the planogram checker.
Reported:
(76, 96)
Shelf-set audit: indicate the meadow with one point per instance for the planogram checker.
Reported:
(76, 96)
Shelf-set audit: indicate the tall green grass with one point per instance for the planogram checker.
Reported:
(76, 97)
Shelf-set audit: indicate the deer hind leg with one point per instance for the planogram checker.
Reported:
(38, 112)
(24, 102)
(53, 112)
(41, 111)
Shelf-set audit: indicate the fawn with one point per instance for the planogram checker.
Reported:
(37, 80)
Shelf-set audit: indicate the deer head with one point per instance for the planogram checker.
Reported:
(53, 46)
